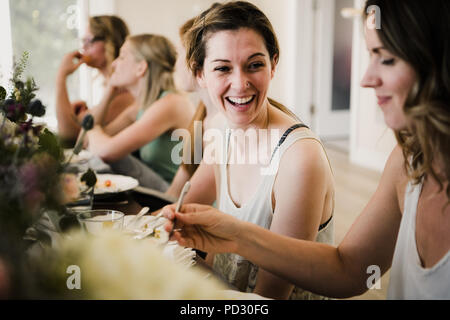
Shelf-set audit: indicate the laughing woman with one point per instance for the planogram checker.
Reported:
(233, 52)
(406, 224)
(145, 68)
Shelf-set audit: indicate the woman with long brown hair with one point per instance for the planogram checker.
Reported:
(406, 224)
(233, 52)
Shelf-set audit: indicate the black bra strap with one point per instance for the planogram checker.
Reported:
(286, 133)
(323, 225)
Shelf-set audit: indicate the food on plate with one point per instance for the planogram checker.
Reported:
(105, 185)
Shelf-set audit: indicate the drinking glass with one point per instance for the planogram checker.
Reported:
(96, 221)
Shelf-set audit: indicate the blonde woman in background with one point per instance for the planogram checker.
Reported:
(101, 44)
(145, 68)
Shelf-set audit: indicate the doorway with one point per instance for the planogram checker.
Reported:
(331, 44)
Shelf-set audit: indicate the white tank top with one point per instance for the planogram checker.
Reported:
(233, 268)
(408, 279)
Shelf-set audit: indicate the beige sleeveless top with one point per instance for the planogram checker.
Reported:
(233, 268)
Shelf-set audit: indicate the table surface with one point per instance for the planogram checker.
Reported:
(131, 202)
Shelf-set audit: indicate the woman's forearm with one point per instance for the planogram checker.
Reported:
(99, 111)
(313, 266)
(68, 126)
(100, 144)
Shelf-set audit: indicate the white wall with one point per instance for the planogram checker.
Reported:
(165, 18)
(371, 141)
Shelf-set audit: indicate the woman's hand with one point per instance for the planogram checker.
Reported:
(203, 227)
(79, 108)
(70, 62)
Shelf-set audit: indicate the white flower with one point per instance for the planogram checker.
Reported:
(114, 266)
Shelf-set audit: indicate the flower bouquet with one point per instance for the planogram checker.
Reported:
(32, 178)
(31, 157)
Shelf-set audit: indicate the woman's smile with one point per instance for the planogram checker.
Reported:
(241, 104)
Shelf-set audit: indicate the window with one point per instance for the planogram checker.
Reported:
(46, 30)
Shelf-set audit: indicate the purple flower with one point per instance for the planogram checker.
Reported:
(13, 111)
(24, 127)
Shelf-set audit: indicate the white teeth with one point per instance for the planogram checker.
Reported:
(241, 100)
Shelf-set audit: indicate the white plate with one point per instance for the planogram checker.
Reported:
(118, 183)
(170, 249)
(83, 156)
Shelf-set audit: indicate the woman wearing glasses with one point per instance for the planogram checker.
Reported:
(100, 47)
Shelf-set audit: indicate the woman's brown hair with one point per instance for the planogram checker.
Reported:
(418, 32)
(231, 16)
(112, 30)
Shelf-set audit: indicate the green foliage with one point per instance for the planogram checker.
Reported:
(49, 143)
(2, 93)
(31, 158)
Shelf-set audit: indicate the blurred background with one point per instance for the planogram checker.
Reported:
(323, 58)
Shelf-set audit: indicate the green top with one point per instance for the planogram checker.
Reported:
(157, 153)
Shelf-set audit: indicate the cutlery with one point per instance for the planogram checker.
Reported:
(143, 211)
(185, 190)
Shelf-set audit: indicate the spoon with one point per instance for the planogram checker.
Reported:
(185, 190)
(143, 211)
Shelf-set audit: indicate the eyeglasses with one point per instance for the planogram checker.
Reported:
(86, 42)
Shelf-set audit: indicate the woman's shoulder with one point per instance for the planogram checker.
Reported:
(176, 100)
(174, 95)
(305, 151)
(172, 100)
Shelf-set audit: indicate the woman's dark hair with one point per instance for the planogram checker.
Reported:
(230, 16)
(418, 32)
(111, 29)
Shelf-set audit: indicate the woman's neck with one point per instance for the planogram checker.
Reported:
(135, 89)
